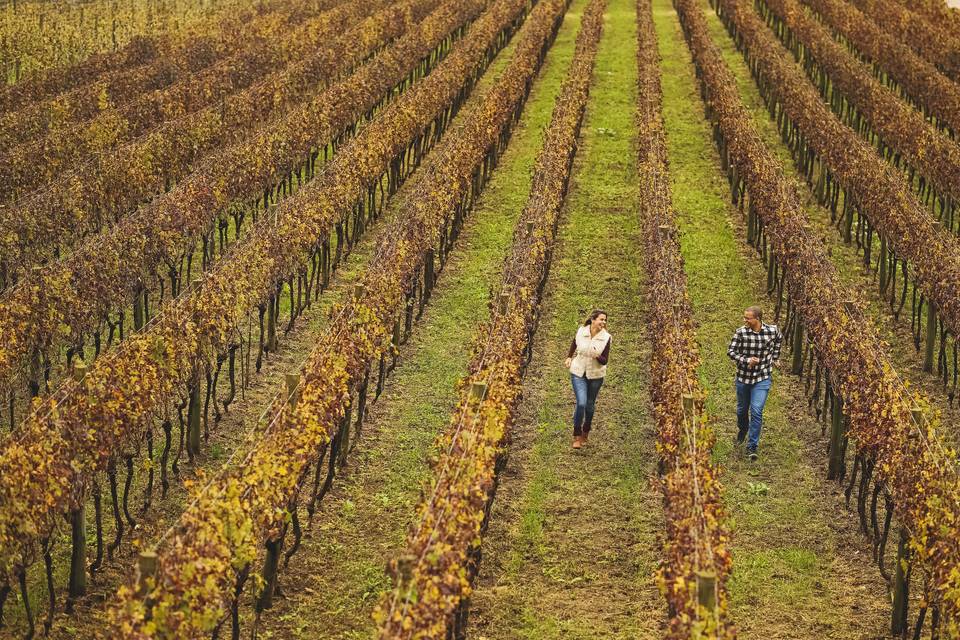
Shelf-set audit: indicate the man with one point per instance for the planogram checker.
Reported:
(755, 348)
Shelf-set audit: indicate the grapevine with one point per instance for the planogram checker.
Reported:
(125, 388)
(254, 497)
(695, 550)
(905, 456)
(435, 572)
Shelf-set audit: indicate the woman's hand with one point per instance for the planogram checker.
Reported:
(568, 362)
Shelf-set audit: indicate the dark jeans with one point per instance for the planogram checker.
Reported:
(750, 401)
(586, 391)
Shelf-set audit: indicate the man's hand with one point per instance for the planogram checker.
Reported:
(778, 365)
(752, 362)
(567, 362)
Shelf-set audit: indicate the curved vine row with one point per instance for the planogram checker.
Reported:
(39, 227)
(935, 45)
(246, 505)
(871, 107)
(906, 458)
(871, 187)
(695, 553)
(45, 84)
(56, 113)
(39, 36)
(125, 389)
(441, 556)
(67, 302)
(918, 80)
(31, 165)
(936, 12)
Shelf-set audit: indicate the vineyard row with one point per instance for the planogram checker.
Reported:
(245, 507)
(896, 450)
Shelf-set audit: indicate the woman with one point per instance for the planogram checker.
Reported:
(587, 361)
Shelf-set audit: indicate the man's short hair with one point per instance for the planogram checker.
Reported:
(756, 311)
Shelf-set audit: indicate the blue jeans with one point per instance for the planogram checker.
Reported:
(585, 390)
(750, 401)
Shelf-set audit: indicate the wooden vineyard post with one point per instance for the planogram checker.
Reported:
(751, 223)
(836, 438)
(796, 366)
(898, 625)
(478, 391)
(78, 527)
(688, 404)
(503, 303)
(706, 594)
(293, 381)
(931, 336)
(147, 564)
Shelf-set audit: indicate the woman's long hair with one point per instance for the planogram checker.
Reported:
(596, 313)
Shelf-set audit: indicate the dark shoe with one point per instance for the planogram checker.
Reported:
(753, 455)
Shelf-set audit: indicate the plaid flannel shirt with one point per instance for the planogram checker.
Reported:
(764, 344)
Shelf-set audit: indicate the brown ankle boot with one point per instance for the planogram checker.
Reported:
(577, 442)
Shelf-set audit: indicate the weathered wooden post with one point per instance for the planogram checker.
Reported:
(707, 592)
(293, 381)
(478, 391)
(147, 564)
(503, 301)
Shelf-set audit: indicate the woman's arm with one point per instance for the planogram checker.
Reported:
(605, 354)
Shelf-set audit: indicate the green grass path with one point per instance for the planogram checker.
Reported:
(571, 547)
(801, 570)
(336, 579)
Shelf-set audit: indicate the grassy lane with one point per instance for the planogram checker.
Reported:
(336, 579)
(571, 546)
(903, 353)
(801, 569)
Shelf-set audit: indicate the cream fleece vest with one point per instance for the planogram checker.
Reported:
(585, 360)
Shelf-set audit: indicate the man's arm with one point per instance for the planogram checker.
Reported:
(776, 344)
(732, 349)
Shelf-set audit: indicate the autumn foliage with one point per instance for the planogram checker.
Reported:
(435, 572)
(696, 536)
(912, 462)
